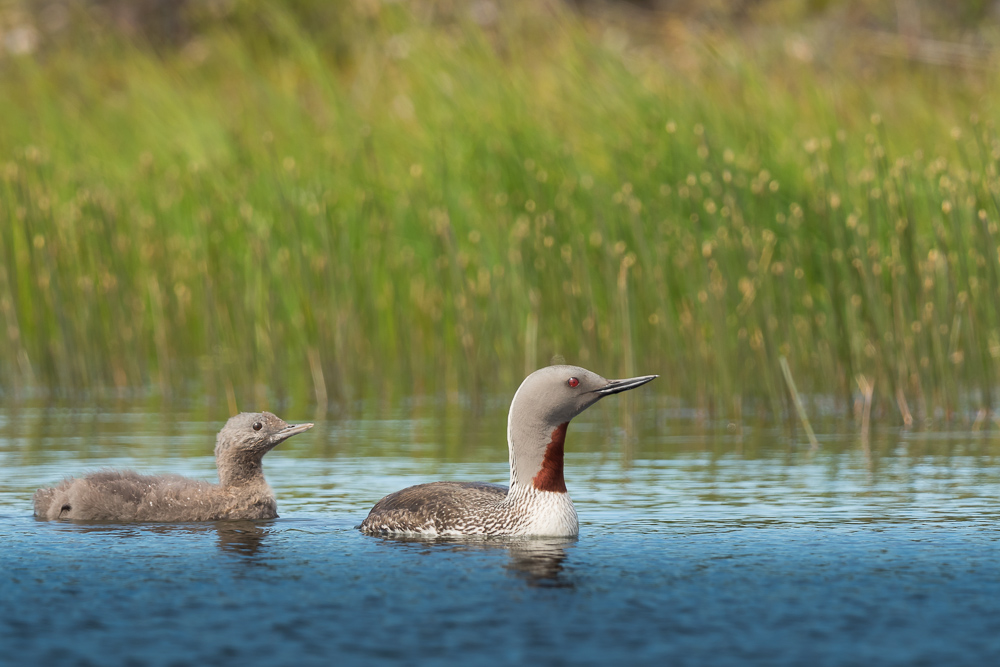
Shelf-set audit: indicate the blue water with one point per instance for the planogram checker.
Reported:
(691, 552)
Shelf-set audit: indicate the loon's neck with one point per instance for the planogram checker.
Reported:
(537, 498)
(536, 457)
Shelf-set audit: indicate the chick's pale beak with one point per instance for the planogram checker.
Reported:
(290, 430)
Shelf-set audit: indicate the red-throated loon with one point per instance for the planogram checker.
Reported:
(536, 503)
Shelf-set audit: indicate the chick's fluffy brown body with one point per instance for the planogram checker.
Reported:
(125, 495)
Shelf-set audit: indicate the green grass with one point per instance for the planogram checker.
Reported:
(358, 203)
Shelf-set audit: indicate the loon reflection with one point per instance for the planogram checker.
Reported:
(539, 561)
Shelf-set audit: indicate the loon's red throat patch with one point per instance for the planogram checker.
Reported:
(550, 477)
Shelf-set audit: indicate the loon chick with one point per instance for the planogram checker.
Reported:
(536, 503)
(125, 495)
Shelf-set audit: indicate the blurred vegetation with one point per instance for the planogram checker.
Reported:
(330, 201)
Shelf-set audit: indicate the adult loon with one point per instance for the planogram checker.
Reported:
(536, 502)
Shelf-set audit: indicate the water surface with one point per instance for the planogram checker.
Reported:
(700, 544)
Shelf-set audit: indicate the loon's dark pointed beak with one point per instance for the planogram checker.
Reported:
(618, 386)
(290, 430)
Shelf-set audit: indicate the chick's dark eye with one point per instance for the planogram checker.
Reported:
(572, 382)
(257, 426)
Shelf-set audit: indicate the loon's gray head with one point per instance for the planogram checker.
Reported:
(556, 394)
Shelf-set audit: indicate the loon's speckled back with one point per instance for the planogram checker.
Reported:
(536, 502)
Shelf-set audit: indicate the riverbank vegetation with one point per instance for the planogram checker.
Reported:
(382, 199)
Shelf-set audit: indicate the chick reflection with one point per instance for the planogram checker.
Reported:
(537, 560)
(240, 537)
(243, 538)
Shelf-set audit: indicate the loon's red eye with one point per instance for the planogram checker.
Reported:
(572, 382)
